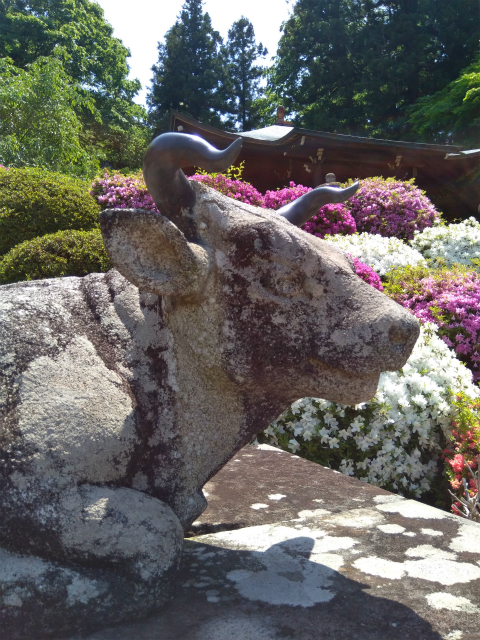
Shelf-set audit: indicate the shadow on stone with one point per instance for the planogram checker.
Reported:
(288, 591)
(203, 529)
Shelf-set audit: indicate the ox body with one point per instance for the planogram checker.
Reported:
(123, 394)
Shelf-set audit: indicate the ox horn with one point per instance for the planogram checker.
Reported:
(162, 169)
(301, 210)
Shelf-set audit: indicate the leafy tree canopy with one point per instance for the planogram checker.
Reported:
(317, 64)
(451, 115)
(39, 125)
(241, 52)
(355, 66)
(189, 75)
(112, 128)
(118, 132)
(30, 29)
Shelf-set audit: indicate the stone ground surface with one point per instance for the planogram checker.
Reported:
(316, 555)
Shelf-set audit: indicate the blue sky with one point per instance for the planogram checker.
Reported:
(140, 25)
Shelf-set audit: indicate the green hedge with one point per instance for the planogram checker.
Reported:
(65, 253)
(35, 202)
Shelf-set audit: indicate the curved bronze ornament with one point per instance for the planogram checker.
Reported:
(301, 210)
(162, 169)
(175, 197)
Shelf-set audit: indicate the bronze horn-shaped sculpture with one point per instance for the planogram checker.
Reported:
(162, 169)
(301, 210)
(175, 197)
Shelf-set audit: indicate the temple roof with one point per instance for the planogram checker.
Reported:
(282, 134)
(471, 153)
(274, 156)
(270, 134)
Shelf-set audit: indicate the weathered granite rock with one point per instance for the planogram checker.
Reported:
(121, 395)
(326, 557)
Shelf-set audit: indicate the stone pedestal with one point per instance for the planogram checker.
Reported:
(297, 551)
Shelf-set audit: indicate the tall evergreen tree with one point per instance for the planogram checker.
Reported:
(189, 75)
(318, 63)
(355, 66)
(242, 52)
(412, 48)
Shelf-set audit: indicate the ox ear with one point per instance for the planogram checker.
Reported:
(152, 253)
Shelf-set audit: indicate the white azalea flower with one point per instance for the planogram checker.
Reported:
(382, 254)
(453, 243)
(347, 467)
(399, 429)
(293, 445)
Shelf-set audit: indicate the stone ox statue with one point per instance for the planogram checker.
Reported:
(123, 393)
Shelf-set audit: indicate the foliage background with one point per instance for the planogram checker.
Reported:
(357, 67)
(63, 57)
(35, 202)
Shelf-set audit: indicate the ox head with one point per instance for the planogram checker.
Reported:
(284, 311)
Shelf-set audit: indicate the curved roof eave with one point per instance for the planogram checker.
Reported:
(274, 136)
(277, 133)
(470, 153)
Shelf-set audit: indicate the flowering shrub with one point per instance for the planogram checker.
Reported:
(392, 207)
(368, 274)
(462, 457)
(382, 206)
(330, 220)
(381, 254)
(230, 184)
(236, 189)
(35, 202)
(123, 192)
(450, 298)
(64, 253)
(393, 441)
(279, 198)
(449, 244)
(130, 191)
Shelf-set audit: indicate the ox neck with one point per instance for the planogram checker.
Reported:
(214, 415)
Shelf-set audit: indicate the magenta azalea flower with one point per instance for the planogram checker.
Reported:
(123, 192)
(330, 220)
(367, 273)
(450, 299)
(236, 189)
(391, 208)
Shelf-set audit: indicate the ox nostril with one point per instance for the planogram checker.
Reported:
(399, 332)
